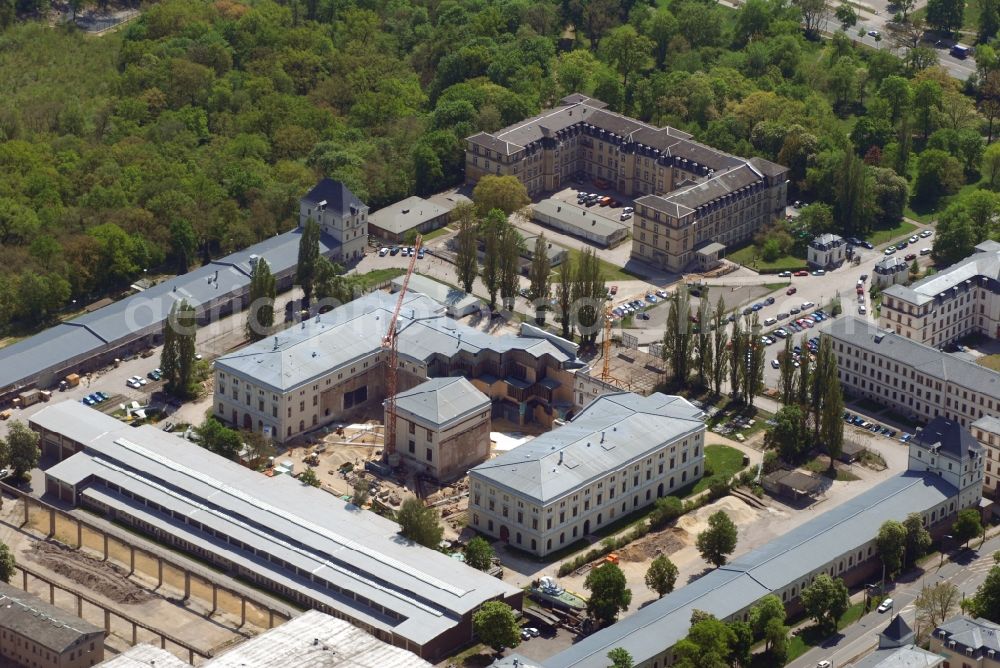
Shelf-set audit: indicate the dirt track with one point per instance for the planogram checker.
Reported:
(98, 576)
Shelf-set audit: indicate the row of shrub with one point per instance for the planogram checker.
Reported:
(666, 510)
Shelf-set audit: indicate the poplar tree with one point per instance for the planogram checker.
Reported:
(564, 293)
(735, 358)
(305, 271)
(466, 262)
(511, 245)
(705, 357)
(492, 232)
(721, 341)
(787, 373)
(589, 293)
(177, 358)
(754, 362)
(260, 315)
(538, 292)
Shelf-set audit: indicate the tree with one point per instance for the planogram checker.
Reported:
(479, 554)
(627, 50)
(511, 247)
(661, 27)
(786, 363)
(260, 315)
(419, 523)
(305, 271)
(609, 594)
(707, 645)
(720, 341)
(308, 477)
(918, 539)
(891, 542)
(989, 20)
(466, 263)
(665, 510)
(764, 611)
(790, 434)
(677, 334)
(991, 165)
(7, 564)
(737, 359)
(361, 491)
(805, 383)
(538, 291)
(620, 658)
(505, 193)
(704, 358)
(826, 600)
(831, 423)
(661, 575)
(564, 295)
(331, 285)
(776, 639)
(20, 449)
(740, 648)
(496, 625)
(852, 203)
(177, 357)
(986, 601)
(945, 15)
(719, 540)
(589, 293)
(258, 446)
(184, 244)
(936, 603)
(814, 15)
(846, 16)
(926, 102)
(218, 438)
(753, 368)
(493, 230)
(967, 526)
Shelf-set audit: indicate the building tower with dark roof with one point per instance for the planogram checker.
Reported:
(340, 214)
(946, 448)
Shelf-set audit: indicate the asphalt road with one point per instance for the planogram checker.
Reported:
(965, 569)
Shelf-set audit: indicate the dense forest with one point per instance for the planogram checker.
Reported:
(193, 130)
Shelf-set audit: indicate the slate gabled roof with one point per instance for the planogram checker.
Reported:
(442, 400)
(951, 438)
(339, 197)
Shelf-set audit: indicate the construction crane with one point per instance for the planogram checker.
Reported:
(390, 344)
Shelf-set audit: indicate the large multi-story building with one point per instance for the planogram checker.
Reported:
(302, 543)
(841, 542)
(331, 368)
(341, 215)
(620, 453)
(911, 378)
(987, 431)
(35, 634)
(689, 195)
(960, 300)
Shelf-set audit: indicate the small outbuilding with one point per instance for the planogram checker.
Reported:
(457, 303)
(581, 222)
(792, 484)
(392, 223)
(827, 251)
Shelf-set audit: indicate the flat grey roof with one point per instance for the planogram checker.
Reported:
(610, 432)
(316, 640)
(49, 626)
(786, 559)
(925, 359)
(578, 217)
(120, 321)
(990, 423)
(356, 551)
(355, 330)
(985, 262)
(442, 401)
(405, 215)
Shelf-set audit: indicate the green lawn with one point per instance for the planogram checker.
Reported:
(821, 465)
(970, 20)
(886, 235)
(376, 276)
(811, 637)
(748, 256)
(723, 461)
(609, 272)
(434, 234)
(990, 362)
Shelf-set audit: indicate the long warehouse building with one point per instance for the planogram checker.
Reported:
(276, 533)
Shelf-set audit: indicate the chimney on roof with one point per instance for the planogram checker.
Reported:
(560, 457)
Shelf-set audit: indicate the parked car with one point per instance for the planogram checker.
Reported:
(864, 277)
(394, 251)
(886, 605)
(769, 301)
(801, 272)
(420, 254)
(910, 256)
(662, 294)
(819, 272)
(925, 251)
(889, 251)
(782, 316)
(795, 310)
(901, 245)
(626, 216)
(383, 251)
(823, 664)
(785, 274)
(613, 289)
(628, 209)
(770, 321)
(925, 234)
(791, 291)
(807, 305)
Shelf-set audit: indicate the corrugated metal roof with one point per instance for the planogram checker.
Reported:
(355, 550)
(784, 560)
(405, 215)
(440, 401)
(453, 298)
(578, 217)
(316, 640)
(611, 431)
(145, 656)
